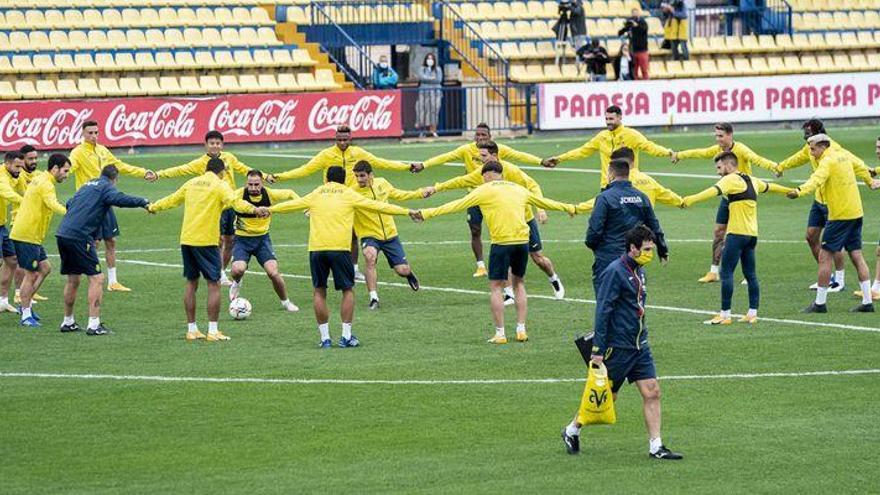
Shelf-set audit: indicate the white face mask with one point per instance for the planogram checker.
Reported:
(383, 65)
(429, 62)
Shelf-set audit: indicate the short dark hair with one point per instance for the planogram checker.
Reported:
(614, 109)
(492, 166)
(24, 150)
(483, 125)
(13, 155)
(110, 172)
(90, 123)
(216, 165)
(619, 168)
(363, 166)
(637, 236)
(57, 160)
(343, 128)
(727, 156)
(255, 173)
(336, 174)
(814, 126)
(213, 134)
(725, 127)
(491, 147)
(625, 153)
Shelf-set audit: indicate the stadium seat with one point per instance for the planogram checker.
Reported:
(708, 68)
(205, 59)
(145, 61)
(849, 40)
(784, 43)
(190, 84)
(859, 62)
(229, 83)
(267, 83)
(691, 68)
(243, 58)
(742, 66)
(673, 69)
(26, 90)
(287, 82)
(552, 73)
(125, 61)
(325, 78)
(263, 58)
(657, 69)
(89, 88)
(7, 91)
(67, 89)
(170, 85)
(307, 82)
(185, 60)
(150, 86)
(749, 44)
(129, 86)
(792, 64)
(64, 63)
(110, 86)
(760, 66)
(809, 63)
(22, 63)
(766, 43)
(302, 58)
(726, 67)
(223, 58)
(699, 46)
(210, 85)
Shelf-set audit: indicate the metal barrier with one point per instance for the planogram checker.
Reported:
(370, 22)
(345, 52)
(774, 17)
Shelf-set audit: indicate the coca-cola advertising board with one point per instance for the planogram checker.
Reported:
(704, 101)
(56, 124)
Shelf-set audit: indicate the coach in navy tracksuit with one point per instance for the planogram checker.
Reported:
(618, 209)
(620, 337)
(86, 211)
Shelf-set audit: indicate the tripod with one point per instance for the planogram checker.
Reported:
(563, 34)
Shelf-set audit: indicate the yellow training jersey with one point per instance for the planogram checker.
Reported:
(204, 198)
(836, 180)
(87, 160)
(37, 207)
(332, 208)
(200, 165)
(347, 159)
(7, 193)
(20, 186)
(803, 156)
(745, 157)
(469, 154)
(379, 225)
(741, 191)
(504, 206)
(655, 191)
(605, 142)
(250, 225)
(509, 172)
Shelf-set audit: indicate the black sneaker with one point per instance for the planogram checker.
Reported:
(73, 327)
(816, 308)
(664, 453)
(101, 330)
(413, 281)
(572, 442)
(374, 304)
(863, 308)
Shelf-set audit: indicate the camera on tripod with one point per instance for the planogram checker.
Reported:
(564, 8)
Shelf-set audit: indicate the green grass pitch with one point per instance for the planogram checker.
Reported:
(784, 434)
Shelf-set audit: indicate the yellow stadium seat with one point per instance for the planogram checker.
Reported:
(5, 65)
(150, 86)
(527, 50)
(241, 15)
(110, 86)
(872, 19)
(105, 18)
(467, 11)
(842, 63)
(325, 78)
(776, 65)
(858, 61)
(39, 40)
(185, 16)
(691, 68)
(742, 66)
(35, 19)
(717, 44)
(824, 63)
(517, 73)
(151, 17)
(19, 41)
(502, 11)
(673, 69)
(699, 45)
(129, 86)
(833, 40)
(797, 22)
(145, 61)
(784, 43)
(849, 40)
(521, 29)
(22, 63)
(89, 88)
(243, 58)
(792, 64)
(7, 91)
(810, 21)
(84, 61)
(267, 36)
(733, 44)
(105, 61)
(210, 85)
(606, 27)
(26, 90)
(510, 50)
(170, 85)
(129, 17)
(74, 19)
(67, 89)
(278, 58)
(191, 37)
(708, 68)
(125, 61)
(229, 83)
(657, 69)
(865, 39)
(287, 82)
(766, 43)
(810, 64)
(15, 18)
(841, 20)
(267, 83)
(230, 37)
(545, 49)
(190, 84)
(760, 66)
(64, 62)
(488, 30)
(725, 67)
(297, 15)
(97, 39)
(552, 73)
(803, 42)
(205, 17)
(185, 60)
(519, 10)
(165, 60)
(485, 11)
(596, 8)
(43, 63)
(223, 58)
(55, 19)
(302, 58)
(59, 40)
(873, 60)
(204, 59)
(654, 25)
(116, 39)
(750, 44)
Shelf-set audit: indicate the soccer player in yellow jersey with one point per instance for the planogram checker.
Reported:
(504, 204)
(605, 142)
(655, 191)
(332, 207)
(378, 232)
(204, 198)
(28, 173)
(818, 216)
(875, 287)
(214, 149)
(9, 174)
(37, 207)
(746, 158)
(88, 159)
(346, 155)
(741, 191)
(489, 152)
(469, 154)
(835, 179)
(252, 237)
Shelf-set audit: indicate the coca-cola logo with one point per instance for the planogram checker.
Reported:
(168, 120)
(271, 118)
(61, 129)
(369, 113)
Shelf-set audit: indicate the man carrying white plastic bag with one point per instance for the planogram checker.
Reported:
(620, 344)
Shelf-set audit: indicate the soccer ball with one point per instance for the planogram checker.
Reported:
(240, 308)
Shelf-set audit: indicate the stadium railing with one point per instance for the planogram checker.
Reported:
(344, 51)
(463, 107)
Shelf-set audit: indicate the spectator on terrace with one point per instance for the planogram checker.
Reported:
(623, 64)
(430, 96)
(596, 58)
(676, 28)
(384, 77)
(637, 30)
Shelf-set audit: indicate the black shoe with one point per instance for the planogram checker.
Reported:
(556, 286)
(73, 327)
(101, 330)
(664, 453)
(374, 304)
(413, 281)
(816, 308)
(863, 308)
(572, 442)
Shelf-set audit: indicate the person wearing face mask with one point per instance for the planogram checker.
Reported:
(620, 339)
(384, 77)
(430, 95)
(618, 209)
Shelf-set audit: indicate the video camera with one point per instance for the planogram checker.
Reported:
(565, 7)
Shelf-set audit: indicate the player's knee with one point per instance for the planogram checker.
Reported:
(239, 267)
(371, 256)
(402, 270)
(109, 243)
(652, 392)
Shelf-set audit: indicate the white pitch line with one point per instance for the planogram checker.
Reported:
(551, 298)
(342, 381)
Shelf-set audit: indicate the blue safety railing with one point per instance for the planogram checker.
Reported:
(371, 22)
(345, 52)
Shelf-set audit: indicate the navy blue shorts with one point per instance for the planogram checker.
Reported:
(227, 222)
(259, 247)
(474, 215)
(201, 261)
(109, 228)
(29, 255)
(78, 257)
(842, 234)
(6, 243)
(392, 249)
(535, 244)
(818, 215)
(322, 263)
(504, 257)
(723, 214)
(629, 364)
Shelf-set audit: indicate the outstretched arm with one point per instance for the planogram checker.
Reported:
(584, 151)
(310, 167)
(550, 204)
(507, 153)
(377, 162)
(172, 200)
(453, 206)
(51, 201)
(293, 205)
(363, 203)
(585, 207)
(187, 169)
(123, 167)
(455, 154)
(709, 192)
